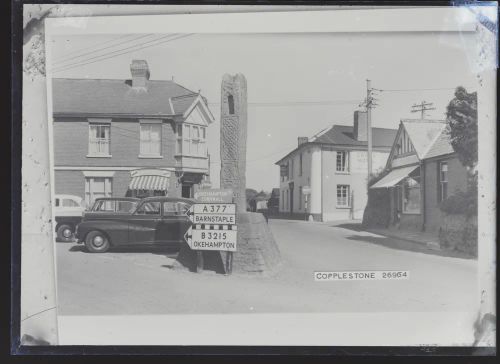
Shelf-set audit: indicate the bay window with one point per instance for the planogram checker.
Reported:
(191, 140)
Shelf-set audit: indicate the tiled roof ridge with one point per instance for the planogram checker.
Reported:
(109, 79)
(121, 80)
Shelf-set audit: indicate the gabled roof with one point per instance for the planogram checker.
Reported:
(343, 135)
(107, 96)
(441, 146)
(423, 133)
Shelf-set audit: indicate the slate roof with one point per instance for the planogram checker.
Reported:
(429, 137)
(108, 96)
(343, 135)
(441, 146)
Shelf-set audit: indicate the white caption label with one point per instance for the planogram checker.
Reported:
(362, 275)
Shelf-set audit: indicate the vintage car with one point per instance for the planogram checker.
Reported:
(155, 221)
(68, 210)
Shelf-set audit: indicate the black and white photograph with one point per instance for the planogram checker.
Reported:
(321, 177)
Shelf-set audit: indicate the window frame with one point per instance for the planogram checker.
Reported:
(300, 164)
(99, 124)
(136, 212)
(442, 184)
(345, 156)
(188, 138)
(89, 193)
(150, 124)
(347, 197)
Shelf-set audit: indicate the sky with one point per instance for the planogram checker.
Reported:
(298, 84)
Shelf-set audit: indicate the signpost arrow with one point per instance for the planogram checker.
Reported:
(212, 213)
(206, 239)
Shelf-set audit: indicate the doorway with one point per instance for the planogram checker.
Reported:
(187, 190)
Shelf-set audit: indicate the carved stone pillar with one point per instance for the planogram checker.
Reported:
(233, 140)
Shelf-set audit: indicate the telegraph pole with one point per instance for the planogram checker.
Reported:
(422, 108)
(369, 125)
(369, 103)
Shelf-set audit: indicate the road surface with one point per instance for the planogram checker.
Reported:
(143, 281)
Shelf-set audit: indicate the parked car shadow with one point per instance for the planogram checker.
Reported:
(170, 252)
(408, 246)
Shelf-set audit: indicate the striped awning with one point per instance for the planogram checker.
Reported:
(153, 183)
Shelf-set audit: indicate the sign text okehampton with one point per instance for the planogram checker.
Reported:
(204, 239)
(214, 227)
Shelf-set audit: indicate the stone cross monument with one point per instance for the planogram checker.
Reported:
(233, 137)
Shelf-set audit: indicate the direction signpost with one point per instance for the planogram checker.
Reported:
(214, 228)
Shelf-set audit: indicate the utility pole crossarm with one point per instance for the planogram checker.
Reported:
(422, 108)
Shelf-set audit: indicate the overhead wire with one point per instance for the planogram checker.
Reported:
(66, 59)
(120, 52)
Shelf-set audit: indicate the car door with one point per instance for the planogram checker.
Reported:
(144, 223)
(174, 222)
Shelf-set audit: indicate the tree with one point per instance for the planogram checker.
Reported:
(250, 193)
(461, 116)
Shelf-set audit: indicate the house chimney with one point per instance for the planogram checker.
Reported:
(302, 140)
(360, 126)
(140, 73)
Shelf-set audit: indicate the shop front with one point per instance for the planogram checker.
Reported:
(148, 182)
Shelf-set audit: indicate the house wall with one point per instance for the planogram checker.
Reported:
(356, 178)
(71, 144)
(71, 147)
(73, 183)
(299, 180)
(319, 172)
(457, 180)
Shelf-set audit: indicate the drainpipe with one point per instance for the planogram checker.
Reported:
(422, 192)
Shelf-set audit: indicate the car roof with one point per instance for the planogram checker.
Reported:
(131, 199)
(168, 199)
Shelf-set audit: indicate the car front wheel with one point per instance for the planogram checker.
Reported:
(97, 242)
(65, 233)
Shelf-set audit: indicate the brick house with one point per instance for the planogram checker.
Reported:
(136, 137)
(333, 167)
(422, 170)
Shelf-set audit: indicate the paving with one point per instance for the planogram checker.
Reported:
(142, 281)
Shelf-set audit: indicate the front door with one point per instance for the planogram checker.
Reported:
(187, 190)
(144, 223)
(291, 198)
